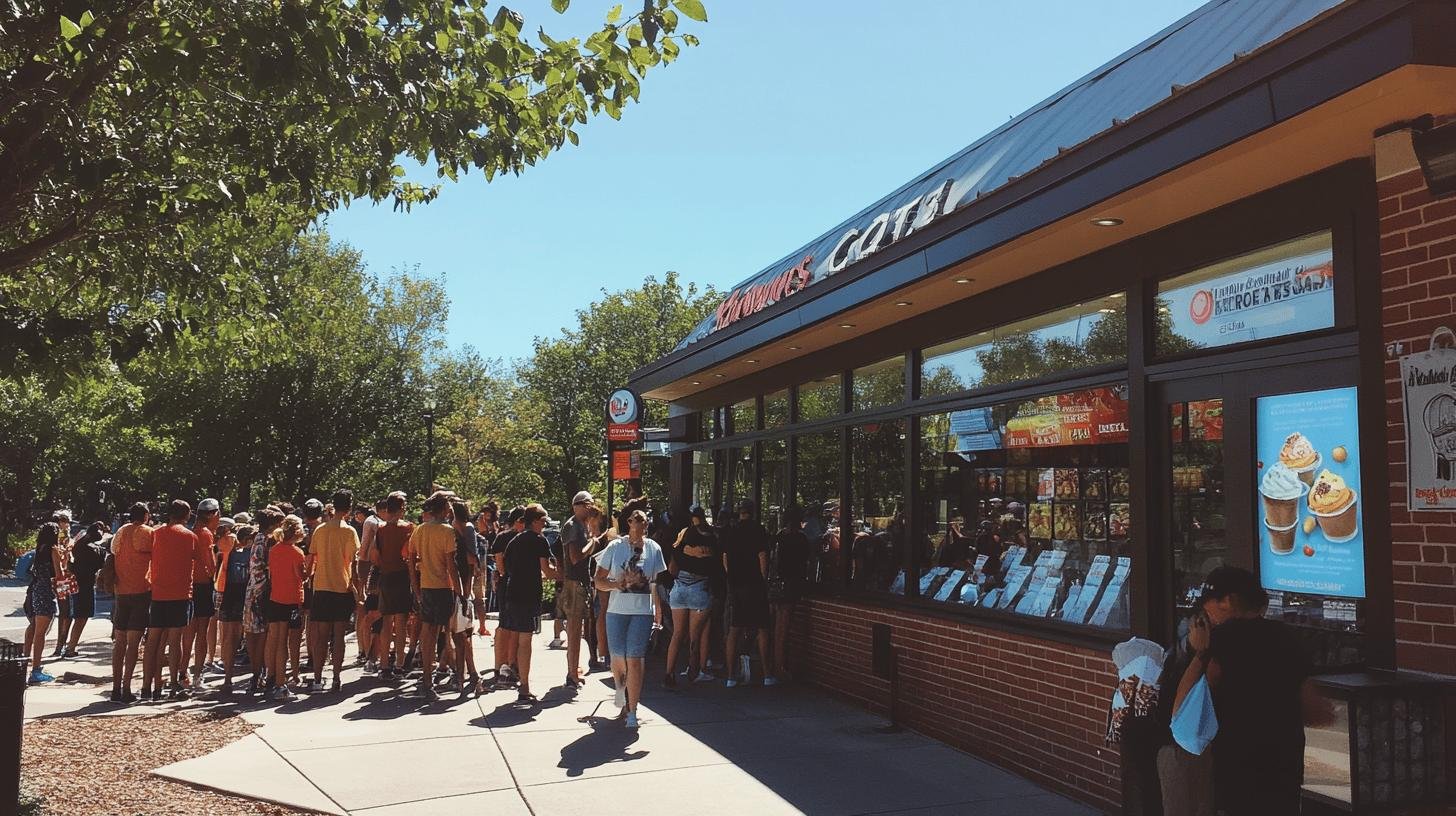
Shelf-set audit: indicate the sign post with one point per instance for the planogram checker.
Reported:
(623, 439)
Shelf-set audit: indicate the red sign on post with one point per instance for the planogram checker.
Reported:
(626, 464)
(623, 432)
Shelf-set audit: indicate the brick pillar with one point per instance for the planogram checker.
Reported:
(1418, 283)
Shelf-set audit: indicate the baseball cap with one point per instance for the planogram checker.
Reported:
(517, 513)
(226, 523)
(581, 497)
(313, 508)
(207, 506)
(243, 518)
(1226, 580)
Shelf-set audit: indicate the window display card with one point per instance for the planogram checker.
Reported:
(952, 581)
(929, 576)
(1046, 485)
(1337, 610)
(1015, 582)
(1095, 576)
(898, 587)
(1042, 605)
(1114, 595)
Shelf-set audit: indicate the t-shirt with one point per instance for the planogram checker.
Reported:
(703, 566)
(204, 568)
(501, 541)
(389, 543)
(285, 574)
(334, 547)
(131, 550)
(433, 544)
(573, 539)
(791, 557)
(523, 566)
(742, 544)
(467, 543)
(641, 566)
(366, 535)
(174, 554)
(1260, 743)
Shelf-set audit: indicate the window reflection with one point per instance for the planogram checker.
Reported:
(703, 481)
(776, 409)
(878, 519)
(737, 478)
(1080, 336)
(816, 490)
(774, 484)
(1025, 507)
(880, 384)
(821, 398)
(745, 416)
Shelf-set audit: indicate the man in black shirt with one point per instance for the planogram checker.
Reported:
(504, 640)
(526, 559)
(745, 560)
(1258, 673)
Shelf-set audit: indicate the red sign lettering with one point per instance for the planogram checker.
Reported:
(753, 299)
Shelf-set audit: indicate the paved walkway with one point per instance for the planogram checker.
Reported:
(381, 751)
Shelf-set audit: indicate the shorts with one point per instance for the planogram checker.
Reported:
(331, 607)
(231, 610)
(627, 635)
(170, 614)
(690, 592)
(748, 606)
(129, 613)
(394, 593)
(203, 602)
(275, 612)
(516, 616)
(437, 606)
(83, 603)
(40, 600)
(571, 599)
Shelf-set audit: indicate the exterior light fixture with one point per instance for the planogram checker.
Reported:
(750, 361)
(719, 376)
(697, 382)
(795, 348)
(1435, 149)
(846, 325)
(1107, 222)
(902, 303)
(964, 280)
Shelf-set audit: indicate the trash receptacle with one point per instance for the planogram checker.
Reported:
(22, 566)
(12, 717)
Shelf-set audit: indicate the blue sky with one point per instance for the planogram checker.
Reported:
(789, 117)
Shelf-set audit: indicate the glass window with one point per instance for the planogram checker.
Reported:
(745, 416)
(738, 480)
(712, 427)
(703, 482)
(821, 398)
(816, 490)
(776, 409)
(877, 519)
(1200, 535)
(880, 384)
(1283, 289)
(1080, 336)
(774, 482)
(1025, 507)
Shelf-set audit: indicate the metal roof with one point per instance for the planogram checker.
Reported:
(1182, 54)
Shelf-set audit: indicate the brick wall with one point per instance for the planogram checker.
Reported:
(1036, 707)
(1418, 279)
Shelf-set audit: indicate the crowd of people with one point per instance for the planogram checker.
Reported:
(202, 600)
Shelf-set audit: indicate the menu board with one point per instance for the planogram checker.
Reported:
(1092, 416)
(1308, 493)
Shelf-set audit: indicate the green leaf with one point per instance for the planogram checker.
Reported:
(615, 14)
(69, 29)
(442, 41)
(86, 19)
(692, 8)
(560, 5)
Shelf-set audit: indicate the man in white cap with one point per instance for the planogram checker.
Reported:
(204, 572)
(571, 598)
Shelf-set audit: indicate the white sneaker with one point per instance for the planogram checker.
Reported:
(315, 686)
(730, 682)
(704, 677)
(631, 719)
(619, 699)
(770, 681)
(554, 644)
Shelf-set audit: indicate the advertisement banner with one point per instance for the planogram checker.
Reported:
(626, 464)
(1093, 416)
(1429, 382)
(1308, 493)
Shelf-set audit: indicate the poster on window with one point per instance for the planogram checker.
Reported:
(1308, 493)
(1429, 382)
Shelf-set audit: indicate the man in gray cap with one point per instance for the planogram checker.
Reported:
(571, 598)
(196, 639)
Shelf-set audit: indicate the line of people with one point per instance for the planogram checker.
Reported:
(213, 595)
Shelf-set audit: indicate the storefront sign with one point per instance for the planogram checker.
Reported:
(1094, 416)
(888, 227)
(1308, 493)
(624, 416)
(753, 299)
(1428, 380)
(626, 464)
(1258, 297)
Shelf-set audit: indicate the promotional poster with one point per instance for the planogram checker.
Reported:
(1309, 493)
(1430, 428)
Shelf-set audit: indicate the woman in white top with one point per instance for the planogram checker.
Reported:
(629, 569)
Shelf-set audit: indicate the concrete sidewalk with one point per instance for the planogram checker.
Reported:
(702, 750)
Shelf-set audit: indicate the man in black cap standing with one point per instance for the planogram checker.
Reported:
(745, 560)
(1258, 673)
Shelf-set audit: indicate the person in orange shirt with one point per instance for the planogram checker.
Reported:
(434, 579)
(204, 572)
(131, 553)
(333, 548)
(174, 557)
(285, 599)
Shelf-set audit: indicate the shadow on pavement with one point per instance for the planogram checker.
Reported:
(607, 742)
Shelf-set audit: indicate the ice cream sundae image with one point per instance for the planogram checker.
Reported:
(1299, 455)
(1333, 504)
(1281, 489)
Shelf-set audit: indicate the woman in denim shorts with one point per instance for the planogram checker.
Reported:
(629, 568)
(696, 561)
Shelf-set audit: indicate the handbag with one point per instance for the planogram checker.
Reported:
(460, 621)
(65, 586)
(1195, 723)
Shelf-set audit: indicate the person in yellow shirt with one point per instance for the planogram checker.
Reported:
(333, 549)
(435, 580)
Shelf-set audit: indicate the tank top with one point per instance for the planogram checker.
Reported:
(389, 540)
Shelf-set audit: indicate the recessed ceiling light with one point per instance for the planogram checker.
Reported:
(750, 361)
(902, 303)
(846, 325)
(964, 280)
(1107, 222)
(697, 382)
(719, 376)
(794, 348)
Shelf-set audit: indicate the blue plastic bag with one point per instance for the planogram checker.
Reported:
(1194, 723)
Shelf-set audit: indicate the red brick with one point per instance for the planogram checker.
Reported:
(1430, 233)
(1405, 553)
(1412, 632)
(1438, 210)
(1388, 207)
(1422, 593)
(1404, 257)
(1416, 198)
(1435, 307)
(1426, 613)
(1425, 657)
(1395, 295)
(1435, 574)
(1441, 533)
(1433, 555)
(1400, 221)
(1438, 267)
(1394, 241)
(1397, 185)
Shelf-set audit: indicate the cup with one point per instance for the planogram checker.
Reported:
(1281, 538)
